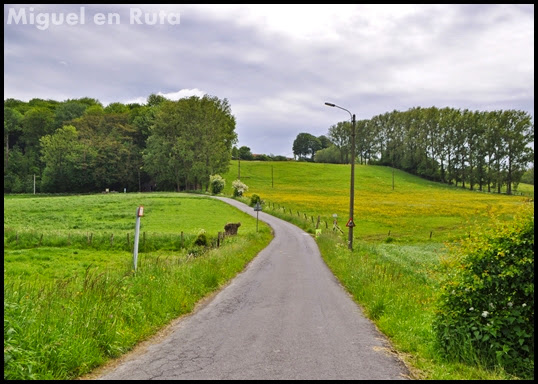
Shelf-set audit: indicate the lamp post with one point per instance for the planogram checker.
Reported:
(351, 222)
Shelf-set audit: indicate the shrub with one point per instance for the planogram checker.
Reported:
(255, 199)
(201, 239)
(239, 188)
(486, 308)
(216, 184)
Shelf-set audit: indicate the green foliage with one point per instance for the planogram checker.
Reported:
(486, 308)
(118, 108)
(201, 239)
(306, 144)
(244, 153)
(190, 140)
(216, 184)
(340, 135)
(254, 199)
(68, 111)
(61, 153)
(94, 110)
(330, 154)
(528, 176)
(239, 188)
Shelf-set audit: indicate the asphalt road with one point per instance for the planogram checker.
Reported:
(284, 317)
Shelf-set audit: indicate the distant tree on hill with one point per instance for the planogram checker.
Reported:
(324, 141)
(306, 145)
(244, 153)
(340, 135)
(328, 155)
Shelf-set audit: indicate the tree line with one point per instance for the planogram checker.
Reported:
(474, 149)
(78, 145)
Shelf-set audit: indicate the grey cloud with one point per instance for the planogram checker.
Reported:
(277, 84)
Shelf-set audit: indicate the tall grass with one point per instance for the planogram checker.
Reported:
(14, 239)
(63, 328)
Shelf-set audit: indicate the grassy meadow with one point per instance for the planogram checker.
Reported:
(72, 301)
(401, 243)
(412, 211)
(71, 298)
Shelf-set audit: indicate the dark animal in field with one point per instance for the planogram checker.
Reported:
(231, 228)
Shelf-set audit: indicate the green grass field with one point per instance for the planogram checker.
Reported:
(412, 211)
(65, 224)
(71, 298)
(67, 256)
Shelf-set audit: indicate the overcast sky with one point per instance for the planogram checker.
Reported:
(276, 64)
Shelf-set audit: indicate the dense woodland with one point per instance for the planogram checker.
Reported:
(80, 146)
(476, 150)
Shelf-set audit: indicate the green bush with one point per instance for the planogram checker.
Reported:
(239, 188)
(486, 308)
(254, 199)
(216, 184)
(201, 239)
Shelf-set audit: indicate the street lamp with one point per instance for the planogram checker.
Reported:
(350, 223)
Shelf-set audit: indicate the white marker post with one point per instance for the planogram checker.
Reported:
(139, 214)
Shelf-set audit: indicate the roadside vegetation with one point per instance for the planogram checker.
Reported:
(410, 244)
(72, 300)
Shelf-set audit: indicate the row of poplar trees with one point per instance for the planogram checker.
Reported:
(474, 149)
(79, 146)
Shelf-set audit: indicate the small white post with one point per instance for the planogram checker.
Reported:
(139, 213)
(34, 183)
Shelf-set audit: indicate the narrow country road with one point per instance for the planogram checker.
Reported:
(284, 317)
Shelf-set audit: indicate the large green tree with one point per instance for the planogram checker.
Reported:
(306, 145)
(190, 140)
(340, 135)
(245, 153)
(61, 153)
